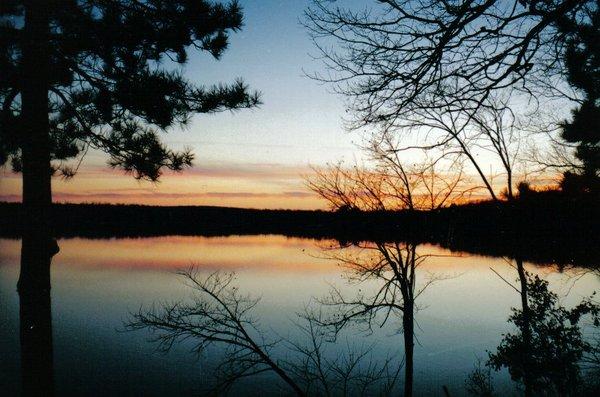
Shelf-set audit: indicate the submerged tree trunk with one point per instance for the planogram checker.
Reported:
(408, 330)
(37, 196)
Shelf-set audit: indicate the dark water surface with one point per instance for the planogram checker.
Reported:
(96, 284)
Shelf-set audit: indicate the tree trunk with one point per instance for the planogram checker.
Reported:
(408, 330)
(509, 183)
(37, 196)
(38, 245)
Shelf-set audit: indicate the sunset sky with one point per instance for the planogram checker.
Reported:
(252, 158)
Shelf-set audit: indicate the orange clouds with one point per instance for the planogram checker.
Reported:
(272, 186)
(249, 185)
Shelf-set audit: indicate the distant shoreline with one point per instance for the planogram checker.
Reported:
(544, 228)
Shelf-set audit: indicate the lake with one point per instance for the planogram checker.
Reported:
(97, 284)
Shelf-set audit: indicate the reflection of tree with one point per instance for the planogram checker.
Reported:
(591, 363)
(479, 382)
(220, 314)
(36, 315)
(390, 185)
(548, 354)
(393, 267)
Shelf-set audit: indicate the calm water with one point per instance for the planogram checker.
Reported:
(98, 283)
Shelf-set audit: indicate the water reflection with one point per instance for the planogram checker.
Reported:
(544, 357)
(392, 267)
(220, 314)
(96, 283)
(547, 353)
(35, 315)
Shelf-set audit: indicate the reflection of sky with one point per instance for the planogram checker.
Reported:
(96, 283)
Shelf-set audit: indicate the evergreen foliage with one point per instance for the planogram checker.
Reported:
(114, 80)
(582, 61)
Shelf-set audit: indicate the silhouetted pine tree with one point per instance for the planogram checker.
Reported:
(582, 59)
(102, 74)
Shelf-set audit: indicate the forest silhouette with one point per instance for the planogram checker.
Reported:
(544, 227)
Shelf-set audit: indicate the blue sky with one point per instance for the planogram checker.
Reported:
(300, 119)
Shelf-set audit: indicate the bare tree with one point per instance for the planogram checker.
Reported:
(545, 151)
(389, 184)
(355, 188)
(352, 373)
(447, 72)
(452, 133)
(434, 181)
(496, 132)
(392, 265)
(219, 314)
(396, 54)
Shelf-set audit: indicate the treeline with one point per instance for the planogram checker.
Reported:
(542, 227)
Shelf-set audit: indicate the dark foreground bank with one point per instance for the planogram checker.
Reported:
(544, 227)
